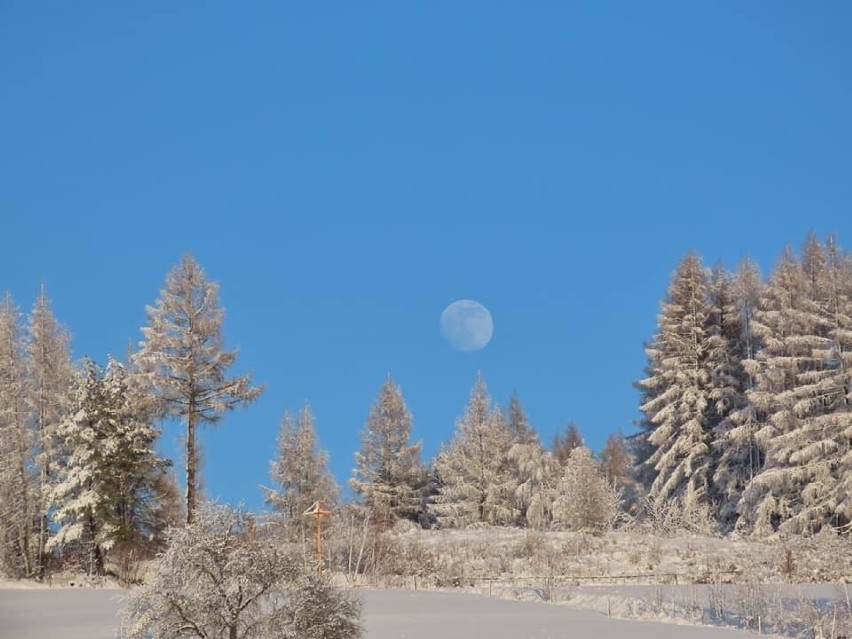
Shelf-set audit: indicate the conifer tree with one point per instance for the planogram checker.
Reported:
(534, 470)
(474, 474)
(18, 483)
(676, 410)
(564, 443)
(802, 392)
(389, 475)
(49, 386)
(104, 490)
(184, 363)
(586, 499)
(300, 471)
(738, 455)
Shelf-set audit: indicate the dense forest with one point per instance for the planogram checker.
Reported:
(746, 427)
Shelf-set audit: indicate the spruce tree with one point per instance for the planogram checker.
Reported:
(476, 485)
(389, 475)
(739, 457)
(184, 363)
(564, 443)
(802, 391)
(104, 490)
(678, 392)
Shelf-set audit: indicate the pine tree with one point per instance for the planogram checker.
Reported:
(18, 482)
(48, 396)
(475, 479)
(104, 490)
(389, 475)
(586, 499)
(183, 360)
(300, 470)
(678, 395)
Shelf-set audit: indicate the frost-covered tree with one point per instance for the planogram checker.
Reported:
(389, 475)
(564, 443)
(48, 397)
(534, 470)
(109, 482)
(802, 391)
(220, 578)
(18, 480)
(737, 452)
(300, 471)
(586, 499)
(184, 362)
(677, 390)
(475, 482)
(615, 461)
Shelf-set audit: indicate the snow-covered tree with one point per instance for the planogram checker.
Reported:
(184, 362)
(389, 475)
(564, 443)
(677, 390)
(475, 482)
(221, 578)
(108, 483)
(737, 452)
(534, 470)
(48, 397)
(18, 480)
(586, 499)
(300, 471)
(802, 391)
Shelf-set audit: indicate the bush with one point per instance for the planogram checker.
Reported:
(219, 578)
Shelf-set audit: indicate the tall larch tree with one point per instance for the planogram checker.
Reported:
(107, 487)
(184, 362)
(677, 411)
(475, 482)
(300, 470)
(49, 396)
(18, 482)
(389, 476)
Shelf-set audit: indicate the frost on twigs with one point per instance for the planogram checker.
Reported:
(220, 578)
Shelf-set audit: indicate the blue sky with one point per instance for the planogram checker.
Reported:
(345, 172)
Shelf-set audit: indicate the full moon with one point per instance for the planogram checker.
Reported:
(467, 325)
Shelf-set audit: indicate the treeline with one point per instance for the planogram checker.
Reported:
(747, 406)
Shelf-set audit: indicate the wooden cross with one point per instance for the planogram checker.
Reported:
(317, 511)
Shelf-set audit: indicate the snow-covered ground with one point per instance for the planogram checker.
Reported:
(69, 613)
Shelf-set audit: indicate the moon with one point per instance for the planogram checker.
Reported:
(467, 325)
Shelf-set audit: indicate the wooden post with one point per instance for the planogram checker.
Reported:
(317, 511)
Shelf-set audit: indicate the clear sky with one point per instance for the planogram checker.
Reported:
(346, 170)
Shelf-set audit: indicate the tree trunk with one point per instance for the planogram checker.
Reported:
(191, 463)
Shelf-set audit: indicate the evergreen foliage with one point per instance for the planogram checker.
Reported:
(107, 490)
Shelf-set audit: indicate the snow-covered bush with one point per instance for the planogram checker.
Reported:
(220, 578)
